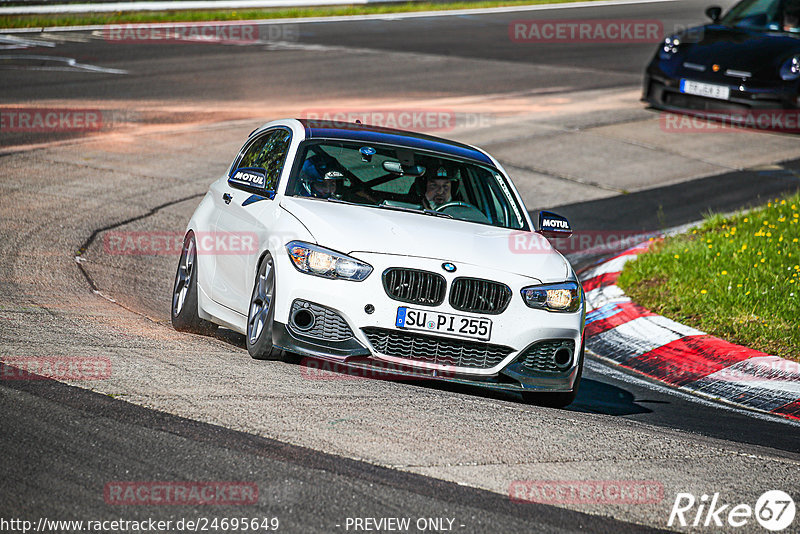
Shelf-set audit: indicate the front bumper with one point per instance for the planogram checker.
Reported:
(360, 339)
(662, 90)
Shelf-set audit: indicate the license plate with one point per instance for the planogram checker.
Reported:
(709, 90)
(444, 323)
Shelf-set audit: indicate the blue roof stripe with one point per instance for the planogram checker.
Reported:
(371, 134)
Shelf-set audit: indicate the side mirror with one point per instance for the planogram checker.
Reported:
(714, 13)
(553, 225)
(251, 179)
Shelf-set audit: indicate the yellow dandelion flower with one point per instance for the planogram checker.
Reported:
(676, 256)
(703, 291)
(762, 260)
(724, 273)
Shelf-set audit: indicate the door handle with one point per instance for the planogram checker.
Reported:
(227, 198)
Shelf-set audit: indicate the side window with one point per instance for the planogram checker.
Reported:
(263, 159)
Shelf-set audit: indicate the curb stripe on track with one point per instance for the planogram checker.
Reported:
(635, 338)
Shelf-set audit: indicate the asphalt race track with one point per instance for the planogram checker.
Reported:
(565, 121)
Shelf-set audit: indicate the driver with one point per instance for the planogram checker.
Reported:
(318, 178)
(439, 188)
(791, 17)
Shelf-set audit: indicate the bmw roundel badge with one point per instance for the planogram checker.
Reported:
(449, 267)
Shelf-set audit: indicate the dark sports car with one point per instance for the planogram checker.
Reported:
(748, 59)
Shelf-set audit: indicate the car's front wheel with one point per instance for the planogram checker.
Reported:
(261, 314)
(184, 292)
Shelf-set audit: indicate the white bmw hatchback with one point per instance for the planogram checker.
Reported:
(383, 249)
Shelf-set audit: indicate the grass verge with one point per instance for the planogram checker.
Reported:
(81, 19)
(737, 278)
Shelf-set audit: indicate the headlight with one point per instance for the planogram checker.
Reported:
(790, 70)
(669, 48)
(311, 259)
(563, 297)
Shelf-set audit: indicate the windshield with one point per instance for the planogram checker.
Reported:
(775, 15)
(398, 178)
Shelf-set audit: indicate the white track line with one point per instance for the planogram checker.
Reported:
(10, 42)
(69, 64)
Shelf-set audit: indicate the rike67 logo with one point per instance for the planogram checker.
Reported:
(774, 510)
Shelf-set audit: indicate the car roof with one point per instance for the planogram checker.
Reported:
(323, 129)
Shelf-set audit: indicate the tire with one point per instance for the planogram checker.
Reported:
(184, 293)
(261, 313)
(557, 400)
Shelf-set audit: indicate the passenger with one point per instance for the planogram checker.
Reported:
(318, 179)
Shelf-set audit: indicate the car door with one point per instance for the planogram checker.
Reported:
(246, 204)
